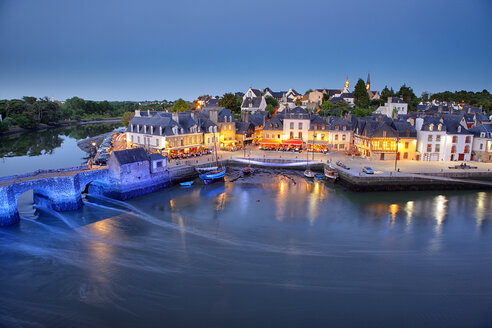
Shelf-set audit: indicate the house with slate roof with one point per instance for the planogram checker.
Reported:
(431, 135)
(296, 126)
(128, 165)
(253, 100)
(394, 107)
(226, 123)
(458, 142)
(482, 143)
(273, 131)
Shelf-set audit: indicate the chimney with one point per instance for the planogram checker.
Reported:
(137, 112)
(214, 115)
(419, 121)
(148, 112)
(245, 116)
(175, 116)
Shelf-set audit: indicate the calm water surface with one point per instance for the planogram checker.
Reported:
(283, 252)
(47, 149)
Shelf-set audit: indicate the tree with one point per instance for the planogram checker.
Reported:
(327, 108)
(180, 106)
(361, 97)
(271, 101)
(406, 93)
(127, 116)
(269, 108)
(298, 102)
(425, 96)
(385, 94)
(309, 91)
(341, 108)
(230, 102)
(361, 112)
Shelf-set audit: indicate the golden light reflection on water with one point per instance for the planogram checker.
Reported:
(480, 208)
(439, 212)
(409, 208)
(393, 209)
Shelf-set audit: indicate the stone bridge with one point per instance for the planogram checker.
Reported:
(57, 189)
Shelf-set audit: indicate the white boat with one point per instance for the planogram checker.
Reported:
(309, 174)
(331, 174)
(206, 169)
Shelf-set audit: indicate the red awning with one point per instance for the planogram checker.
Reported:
(270, 142)
(292, 142)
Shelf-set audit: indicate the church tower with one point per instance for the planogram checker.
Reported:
(346, 85)
(368, 83)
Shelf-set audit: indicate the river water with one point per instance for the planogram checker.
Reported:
(266, 251)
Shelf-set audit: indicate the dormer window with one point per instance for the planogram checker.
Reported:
(323, 127)
(316, 126)
(439, 127)
(482, 134)
(344, 127)
(384, 134)
(459, 129)
(337, 127)
(160, 130)
(131, 128)
(138, 128)
(431, 127)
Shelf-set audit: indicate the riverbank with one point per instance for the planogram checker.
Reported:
(18, 130)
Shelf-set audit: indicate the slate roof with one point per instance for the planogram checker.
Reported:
(254, 101)
(347, 95)
(404, 129)
(396, 100)
(243, 127)
(337, 123)
(213, 102)
(297, 113)
(276, 123)
(128, 156)
(156, 121)
(257, 118)
(256, 92)
(375, 129)
(487, 128)
(432, 120)
(454, 127)
(222, 114)
(319, 121)
(156, 157)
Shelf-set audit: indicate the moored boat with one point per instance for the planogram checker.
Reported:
(331, 174)
(247, 170)
(206, 169)
(309, 174)
(186, 183)
(213, 176)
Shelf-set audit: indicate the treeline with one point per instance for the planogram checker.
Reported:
(483, 98)
(30, 112)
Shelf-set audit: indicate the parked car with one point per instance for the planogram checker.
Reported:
(367, 170)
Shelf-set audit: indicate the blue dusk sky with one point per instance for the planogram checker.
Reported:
(146, 50)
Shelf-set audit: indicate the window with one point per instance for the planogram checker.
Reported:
(405, 155)
(292, 134)
(300, 135)
(278, 136)
(384, 134)
(336, 137)
(482, 134)
(341, 146)
(406, 145)
(323, 126)
(131, 138)
(481, 146)
(438, 138)
(291, 125)
(344, 137)
(429, 138)
(138, 139)
(453, 149)
(315, 126)
(158, 164)
(208, 140)
(431, 127)
(437, 148)
(467, 140)
(157, 142)
(182, 142)
(429, 148)
(300, 126)
(455, 139)
(439, 127)
(467, 149)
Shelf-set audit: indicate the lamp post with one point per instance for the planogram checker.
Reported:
(244, 145)
(396, 154)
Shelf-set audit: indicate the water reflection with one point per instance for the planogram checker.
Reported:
(409, 208)
(480, 208)
(439, 212)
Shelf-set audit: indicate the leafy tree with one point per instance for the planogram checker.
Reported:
(298, 102)
(230, 102)
(180, 106)
(425, 96)
(385, 94)
(271, 101)
(327, 108)
(127, 116)
(341, 108)
(374, 103)
(361, 97)
(269, 108)
(309, 91)
(406, 93)
(361, 112)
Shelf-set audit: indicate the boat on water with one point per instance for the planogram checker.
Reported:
(206, 169)
(247, 170)
(186, 183)
(213, 176)
(331, 174)
(318, 177)
(309, 174)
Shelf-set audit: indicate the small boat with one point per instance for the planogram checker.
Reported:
(247, 170)
(206, 169)
(186, 183)
(213, 176)
(331, 174)
(308, 173)
(318, 177)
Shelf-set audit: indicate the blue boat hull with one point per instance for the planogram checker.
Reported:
(212, 176)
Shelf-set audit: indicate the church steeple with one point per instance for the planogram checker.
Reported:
(368, 83)
(346, 84)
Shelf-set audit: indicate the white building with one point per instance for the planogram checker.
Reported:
(458, 142)
(253, 100)
(296, 124)
(431, 135)
(394, 105)
(482, 143)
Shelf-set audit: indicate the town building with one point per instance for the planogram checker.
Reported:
(482, 143)
(458, 141)
(296, 126)
(253, 100)
(394, 107)
(431, 136)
